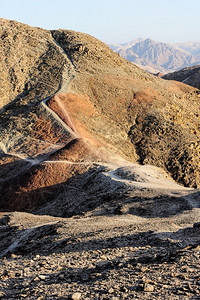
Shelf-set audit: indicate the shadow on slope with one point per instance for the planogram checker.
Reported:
(55, 238)
(86, 189)
(120, 250)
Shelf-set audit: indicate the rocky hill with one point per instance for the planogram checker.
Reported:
(99, 172)
(158, 57)
(190, 76)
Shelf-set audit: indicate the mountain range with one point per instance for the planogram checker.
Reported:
(159, 57)
(99, 173)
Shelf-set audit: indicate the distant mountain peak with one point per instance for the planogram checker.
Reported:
(149, 40)
(156, 56)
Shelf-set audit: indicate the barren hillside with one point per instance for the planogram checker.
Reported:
(190, 76)
(99, 172)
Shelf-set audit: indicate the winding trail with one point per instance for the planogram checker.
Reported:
(143, 177)
(58, 119)
(65, 112)
(53, 147)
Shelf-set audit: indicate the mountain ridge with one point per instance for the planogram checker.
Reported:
(161, 57)
(190, 76)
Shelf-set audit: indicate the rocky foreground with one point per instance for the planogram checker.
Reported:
(123, 235)
(102, 257)
(99, 173)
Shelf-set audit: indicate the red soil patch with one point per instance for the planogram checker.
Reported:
(77, 151)
(75, 110)
(44, 182)
(40, 185)
(1, 215)
(45, 130)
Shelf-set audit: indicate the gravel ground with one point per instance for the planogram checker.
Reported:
(110, 257)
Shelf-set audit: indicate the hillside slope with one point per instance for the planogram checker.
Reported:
(109, 108)
(190, 76)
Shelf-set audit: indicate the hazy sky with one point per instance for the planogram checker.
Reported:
(112, 21)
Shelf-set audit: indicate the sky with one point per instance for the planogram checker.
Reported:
(112, 21)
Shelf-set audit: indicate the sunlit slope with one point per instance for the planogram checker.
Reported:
(78, 102)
